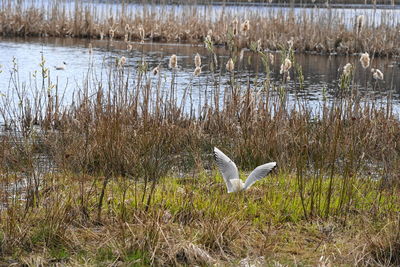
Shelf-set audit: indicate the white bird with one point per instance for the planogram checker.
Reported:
(230, 172)
(61, 67)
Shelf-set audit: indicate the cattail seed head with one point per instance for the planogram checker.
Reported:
(347, 69)
(173, 62)
(156, 70)
(90, 48)
(111, 33)
(241, 55)
(377, 74)
(235, 27)
(197, 71)
(364, 59)
(259, 45)
(141, 33)
(271, 58)
(208, 39)
(230, 66)
(129, 47)
(126, 38)
(122, 61)
(245, 27)
(286, 65)
(360, 21)
(197, 60)
(290, 43)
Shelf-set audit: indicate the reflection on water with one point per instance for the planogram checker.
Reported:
(320, 72)
(323, 13)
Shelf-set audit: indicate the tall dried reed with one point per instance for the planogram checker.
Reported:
(308, 31)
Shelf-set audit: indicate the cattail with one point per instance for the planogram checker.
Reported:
(290, 43)
(111, 33)
(347, 69)
(121, 61)
(129, 47)
(245, 27)
(241, 55)
(230, 66)
(235, 27)
(101, 35)
(197, 71)
(208, 39)
(156, 70)
(286, 65)
(141, 32)
(210, 32)
(271, 58)
(360, 23)
(377, 74)
(364, 60)
(90, 48)
(127, 28)
(259, 45)
(197, 60)
(173, 62)
(126, 38)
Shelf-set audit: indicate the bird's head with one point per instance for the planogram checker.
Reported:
(275, 169)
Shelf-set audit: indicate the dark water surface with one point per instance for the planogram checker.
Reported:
(321, 73)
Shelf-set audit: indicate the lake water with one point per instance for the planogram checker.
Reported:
(321, 73)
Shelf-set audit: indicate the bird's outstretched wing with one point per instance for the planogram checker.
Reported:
(227, 167)
(259, 173)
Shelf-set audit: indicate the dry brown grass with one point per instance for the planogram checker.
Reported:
(309, 32)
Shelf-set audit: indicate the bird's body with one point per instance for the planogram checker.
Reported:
(230, 172)
(237, 185)
(61, 67)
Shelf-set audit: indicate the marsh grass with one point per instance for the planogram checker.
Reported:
(308, 31)
(108, 191)
(194, 221)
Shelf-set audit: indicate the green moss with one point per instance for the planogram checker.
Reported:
(104, 254)
(59, 253)
(136, 258)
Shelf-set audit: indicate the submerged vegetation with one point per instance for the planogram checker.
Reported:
(322, 29)
(123, 174)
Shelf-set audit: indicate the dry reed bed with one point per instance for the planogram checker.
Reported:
(109, 203)
(309, 32)
(112, 198)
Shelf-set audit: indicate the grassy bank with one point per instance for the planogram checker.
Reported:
(123, 173)
(322, 30)
(192, 220)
